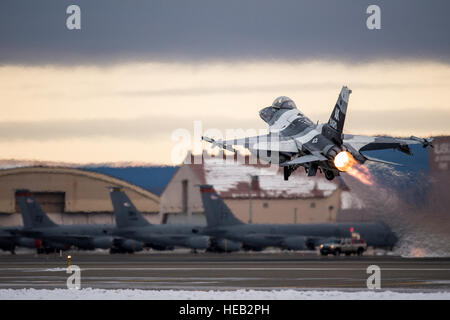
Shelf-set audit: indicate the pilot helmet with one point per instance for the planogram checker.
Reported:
(283, 102)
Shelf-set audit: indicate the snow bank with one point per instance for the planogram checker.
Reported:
(128, 294)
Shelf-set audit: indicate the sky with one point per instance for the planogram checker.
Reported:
(137, 71)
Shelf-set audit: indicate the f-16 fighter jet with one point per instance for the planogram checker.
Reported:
(294, 140)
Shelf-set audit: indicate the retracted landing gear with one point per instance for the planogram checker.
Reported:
(286, 173)
(312, 170)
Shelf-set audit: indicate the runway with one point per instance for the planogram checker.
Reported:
(209, 271)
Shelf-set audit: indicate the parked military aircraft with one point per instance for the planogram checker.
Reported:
(38, 225)
(9, 239)
(222, 224)
(294, 140)
(131, 224)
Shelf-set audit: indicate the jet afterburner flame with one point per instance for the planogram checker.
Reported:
(344, 161)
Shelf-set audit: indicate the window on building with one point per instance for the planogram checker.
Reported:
(265, 205)
(313, 205)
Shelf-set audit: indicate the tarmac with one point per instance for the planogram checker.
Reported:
(213, 271)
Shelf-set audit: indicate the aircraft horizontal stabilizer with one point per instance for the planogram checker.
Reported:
(382, 161)
(424, 141)
(304, 159)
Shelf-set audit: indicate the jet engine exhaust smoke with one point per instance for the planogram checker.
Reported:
(361, 173)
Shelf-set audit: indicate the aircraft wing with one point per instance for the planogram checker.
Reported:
(11, 230)
(52, 237)
(26, 233)
(264, 142)
(6, 233)
(265, 236)
(168, 238)
(80, 236)
(180, 237)
(367, 143)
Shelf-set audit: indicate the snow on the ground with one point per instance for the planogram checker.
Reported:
(131, 294)
(54, 269)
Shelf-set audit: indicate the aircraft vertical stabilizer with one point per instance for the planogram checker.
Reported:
(337, 117)
(216, 211)
(32, 214)
(125, 212)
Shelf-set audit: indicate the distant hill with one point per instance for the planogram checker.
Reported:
(154, 178)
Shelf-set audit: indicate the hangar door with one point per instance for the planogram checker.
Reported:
(52, 202)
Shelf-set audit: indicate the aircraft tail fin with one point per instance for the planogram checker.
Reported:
(125, 212)
(216, 211)
(32, 214)
(337, 118)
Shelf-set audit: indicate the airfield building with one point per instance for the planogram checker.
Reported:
(69, 195)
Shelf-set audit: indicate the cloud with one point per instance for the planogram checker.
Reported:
(114, 31)
(402, 121)
(292, 87)
(142, 128)
(151, 128)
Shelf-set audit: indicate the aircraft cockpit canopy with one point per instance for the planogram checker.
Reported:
(280, 103)
(283, 102)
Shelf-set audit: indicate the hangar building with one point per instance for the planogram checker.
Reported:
(254, 192)
(69, 195)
